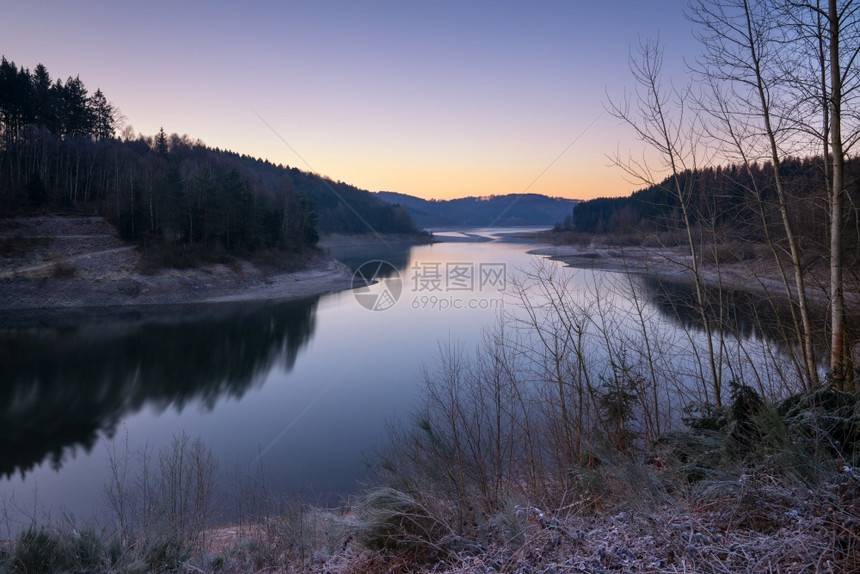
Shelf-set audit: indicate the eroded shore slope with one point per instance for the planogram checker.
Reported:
(759, 275)
(49, 262)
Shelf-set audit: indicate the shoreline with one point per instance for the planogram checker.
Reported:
(755, 276)
(80, 262)
(213, 284)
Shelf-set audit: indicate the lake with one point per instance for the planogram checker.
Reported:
(303, 390)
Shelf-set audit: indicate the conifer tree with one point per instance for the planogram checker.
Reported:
(160, 146)
(78, 118)
(44, 114)
(104, 116)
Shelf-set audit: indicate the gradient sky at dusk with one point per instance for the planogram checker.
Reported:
(437, 99)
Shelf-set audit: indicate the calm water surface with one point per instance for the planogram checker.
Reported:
(308, 385)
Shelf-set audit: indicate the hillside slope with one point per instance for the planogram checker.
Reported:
(494, 211)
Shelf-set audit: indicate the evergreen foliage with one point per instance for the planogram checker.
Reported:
(59, 152)
(727, 198)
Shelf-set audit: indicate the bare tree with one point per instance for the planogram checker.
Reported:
(657, 116)
(824, 36)
(739, 143)
(790, 69)
(742, 52)
(842, 20)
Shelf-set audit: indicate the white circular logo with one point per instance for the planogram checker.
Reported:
(377, 285)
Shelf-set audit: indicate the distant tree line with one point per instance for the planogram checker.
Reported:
(495, 210)
(727, 200)
(59, 151)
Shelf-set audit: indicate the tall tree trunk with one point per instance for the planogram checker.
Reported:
(838, 361)
(794, 251)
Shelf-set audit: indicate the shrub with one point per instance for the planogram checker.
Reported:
(391, 519)
(38, 550)
(87, 550)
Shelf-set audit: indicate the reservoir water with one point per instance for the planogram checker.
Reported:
(303, 390)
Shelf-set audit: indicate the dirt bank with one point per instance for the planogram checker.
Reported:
(49, 262)
(758, 275)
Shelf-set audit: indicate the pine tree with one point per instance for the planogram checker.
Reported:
(104, 115)
(44, 114)
(160, 146)
(14, 94)
(78, 119)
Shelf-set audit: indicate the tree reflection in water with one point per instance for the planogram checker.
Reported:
(738, 312)
(68, 376)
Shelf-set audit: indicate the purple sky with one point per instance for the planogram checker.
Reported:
(436, 99)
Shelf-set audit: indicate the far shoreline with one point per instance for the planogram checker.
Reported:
(755, 276)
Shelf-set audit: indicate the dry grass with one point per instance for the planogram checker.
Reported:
(627, 513)
(755, 526)
(768, 529)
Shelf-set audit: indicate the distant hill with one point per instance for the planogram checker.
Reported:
(493, 211)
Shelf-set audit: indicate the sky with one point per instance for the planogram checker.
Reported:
(436, 99)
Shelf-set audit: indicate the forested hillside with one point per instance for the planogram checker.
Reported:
(340, 207)
(59, 151)
(722, 202)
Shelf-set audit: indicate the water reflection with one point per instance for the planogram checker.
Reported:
(742, 313)
(69, 376)
(397, 253)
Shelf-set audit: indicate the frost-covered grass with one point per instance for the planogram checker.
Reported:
(701, 500)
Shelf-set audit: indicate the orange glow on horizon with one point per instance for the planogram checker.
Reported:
(413, 98)
(442, 180)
